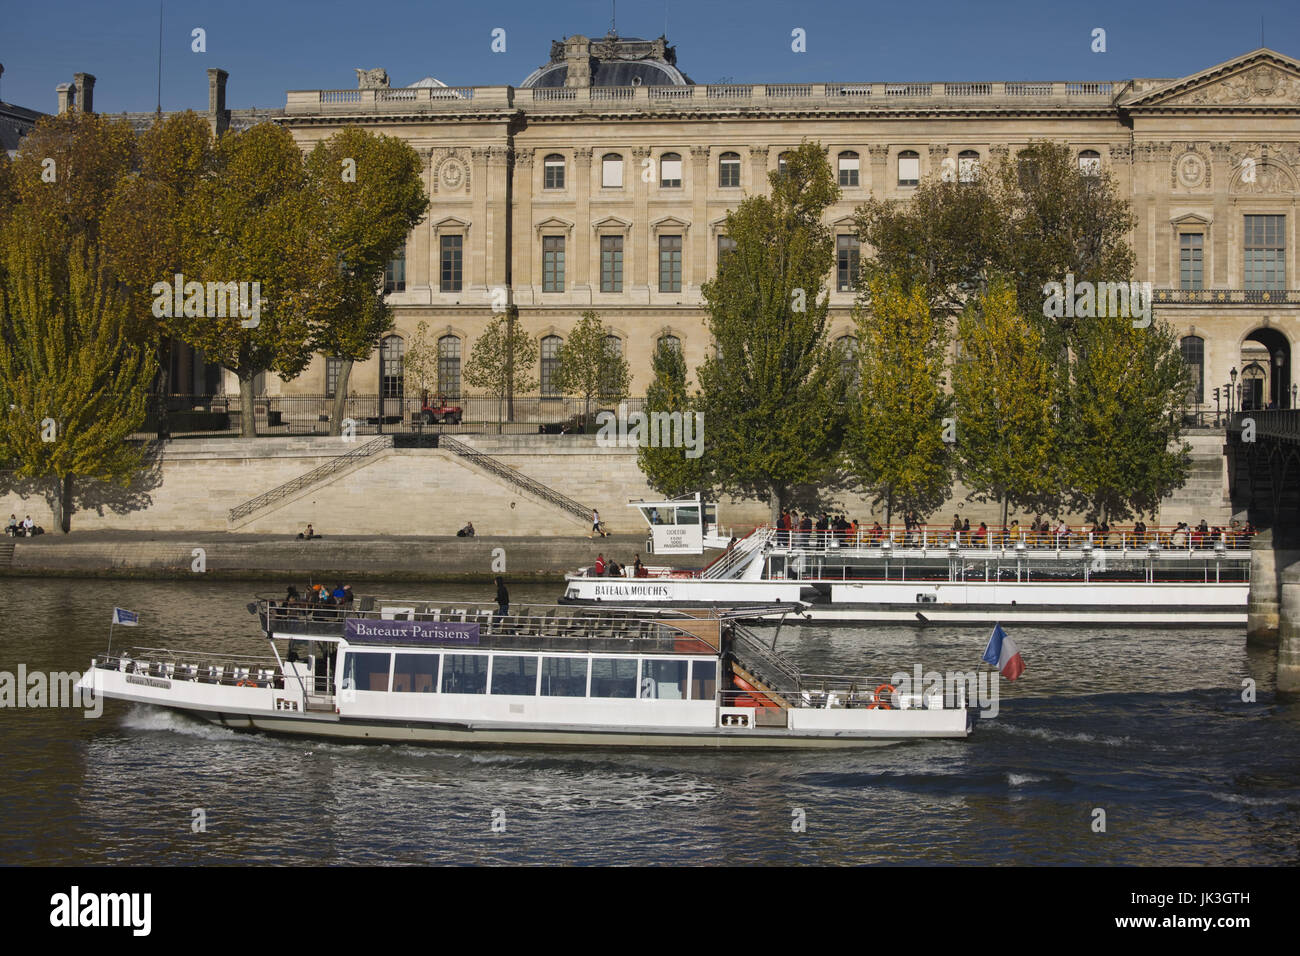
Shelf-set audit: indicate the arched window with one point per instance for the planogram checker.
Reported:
(670, 341)
(782, 161)
(968, 166)
(614, 349)
(391, 374)
(909, 168)
(848, 349)
(611, 171)
(1193, 349)
(849, 165)
(670, 170)
(449, 366)
(1090, 162)
(729, 170)
(550, 363)
(554, 172)
(1252, 387)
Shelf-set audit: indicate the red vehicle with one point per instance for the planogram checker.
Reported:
(439, 411)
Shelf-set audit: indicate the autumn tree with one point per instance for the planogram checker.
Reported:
(73, 382)
(371, 195)
(420, 362)
(899, 442)
(773, 394)
(502, 361)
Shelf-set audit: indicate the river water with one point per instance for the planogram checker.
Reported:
(1148, 727)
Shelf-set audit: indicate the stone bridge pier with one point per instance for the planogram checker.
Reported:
(1263, 451)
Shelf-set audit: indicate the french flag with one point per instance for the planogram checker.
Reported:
(1003, 654)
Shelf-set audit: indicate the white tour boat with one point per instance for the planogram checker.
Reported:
(1152, 577)
(417, 672)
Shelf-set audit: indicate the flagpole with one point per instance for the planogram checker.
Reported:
(109, 652)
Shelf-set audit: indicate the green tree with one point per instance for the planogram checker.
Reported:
(897, 446)
(773, 395)
(420, 362)
(72, 381)
(255, 220)
(1005, 414)
(502, 360)
(370, 190)
(588, 366)
(669, 470)
(1122, 448)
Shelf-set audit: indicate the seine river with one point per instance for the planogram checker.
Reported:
(1148, 727)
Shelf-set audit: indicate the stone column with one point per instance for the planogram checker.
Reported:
(477, 262)
(495, 185)
(1262, 605)
(637, 248)
(695, 245)
(758, 185)
(1288, 629)
(524, 235)
(579, 257)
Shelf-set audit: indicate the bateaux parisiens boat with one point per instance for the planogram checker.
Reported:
(421, 672)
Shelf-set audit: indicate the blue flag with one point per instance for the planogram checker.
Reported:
(129, 618)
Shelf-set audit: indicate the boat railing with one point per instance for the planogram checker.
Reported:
(209, 668)
(739, 554)
(821, 692)
(527, 627)
(766, 663)
(1014, 538)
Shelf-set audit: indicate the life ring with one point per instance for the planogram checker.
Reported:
(246, 683)
(881, 701)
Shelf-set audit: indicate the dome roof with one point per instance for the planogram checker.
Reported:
(427, 81)
(611, 61)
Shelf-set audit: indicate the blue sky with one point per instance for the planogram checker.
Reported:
(270, 46)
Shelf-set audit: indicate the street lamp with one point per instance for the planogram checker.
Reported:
(1232, 388)
(1293, 390)
(1278, 359)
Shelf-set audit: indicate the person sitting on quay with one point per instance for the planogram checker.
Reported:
(309, 535)
(467, 531)
(30, 529)
(11, 528)
(600, 566)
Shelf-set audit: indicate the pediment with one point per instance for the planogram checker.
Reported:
(669, 222)
(1261, 78)
(611, 222)
(555, 223)
(1190, 219)
(451, 222)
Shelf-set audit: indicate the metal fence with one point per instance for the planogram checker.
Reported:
(180, 416)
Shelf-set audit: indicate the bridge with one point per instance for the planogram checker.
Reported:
(1263, 452)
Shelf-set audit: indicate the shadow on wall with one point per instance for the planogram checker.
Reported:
(89, 495)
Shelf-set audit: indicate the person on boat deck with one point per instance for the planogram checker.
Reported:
(1013, 531)
(503, 597)
(805, 529)
(600, 565)
(614, 569)
(956, 527)
(638, 569)
(291, 595)
(982, 534)
(339, 594)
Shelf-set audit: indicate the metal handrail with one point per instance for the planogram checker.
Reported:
(545, 492)
(767, 664)
(742, 552)
(999, 538)
(311, 477)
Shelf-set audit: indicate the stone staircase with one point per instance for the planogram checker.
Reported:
(6, 551)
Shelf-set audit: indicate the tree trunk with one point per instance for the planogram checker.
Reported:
(65, 504)
(340, 397)
(247, 424)
(1004, 512)
(774, 501)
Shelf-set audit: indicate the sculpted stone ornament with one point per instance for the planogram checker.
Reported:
(1191, 171)
(451, 172)
(1262, 84)
(376, 79)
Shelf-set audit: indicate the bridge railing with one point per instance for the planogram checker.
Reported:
(1280, 423)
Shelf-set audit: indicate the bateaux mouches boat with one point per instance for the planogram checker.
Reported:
(419, 672)
(1157, 576)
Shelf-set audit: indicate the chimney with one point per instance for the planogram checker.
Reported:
(64, 91)
(577, 56)
(218, 115)
(85, 84)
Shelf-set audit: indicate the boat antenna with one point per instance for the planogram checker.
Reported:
(160, 35)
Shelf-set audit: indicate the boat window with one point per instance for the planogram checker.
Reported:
(564, 677)
(613, 677)
(366, 671)
(663, 680)
(464, 674)
(704, 680)
(514, 674)
(415, 673)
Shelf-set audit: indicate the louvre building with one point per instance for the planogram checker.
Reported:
(603, 179)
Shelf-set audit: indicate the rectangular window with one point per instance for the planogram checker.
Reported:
(553, 178)
(670, 171)
(1191, 260)
(1265, 249)
(366, 671)
(553, 264)
(613, 677)
(611, 263)
(726, 246)
(909, 170)
(332, 368)
(415, 673)
(704, 680)
(514, 674)
(452, 257)
(663, 680)
(464, 674)
(729, 172)
(847, 253)
(670, 263)
(849, 170)
(611, 172)
(564, 677)
(395, 273)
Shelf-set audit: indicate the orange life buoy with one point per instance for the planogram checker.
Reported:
(882, 701)
(245, 683)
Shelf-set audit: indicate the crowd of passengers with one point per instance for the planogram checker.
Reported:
(831, 530)
(319, 596)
